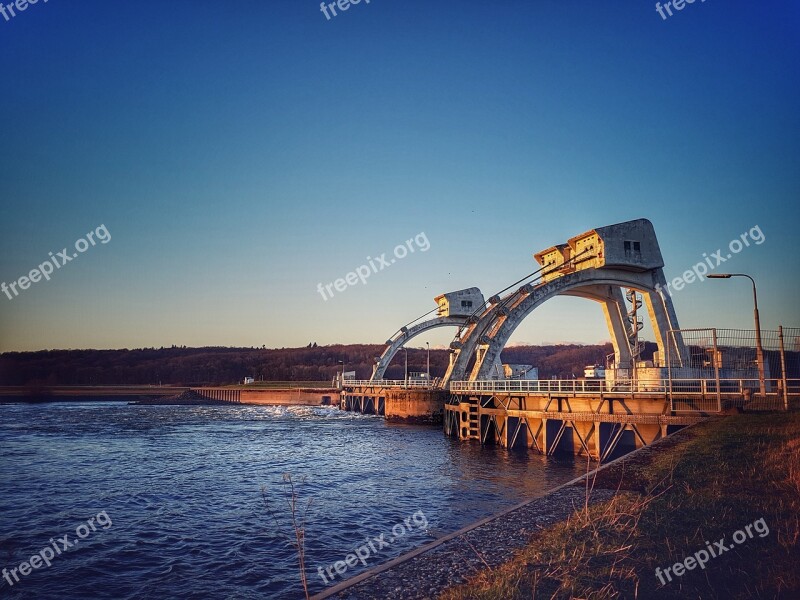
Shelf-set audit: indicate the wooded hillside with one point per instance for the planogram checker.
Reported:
(219, 366)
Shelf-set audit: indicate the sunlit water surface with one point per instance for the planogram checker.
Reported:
(182, 489)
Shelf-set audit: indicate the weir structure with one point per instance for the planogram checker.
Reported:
(597, 265)
(637, 402)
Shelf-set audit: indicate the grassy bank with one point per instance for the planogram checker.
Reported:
(713, 481)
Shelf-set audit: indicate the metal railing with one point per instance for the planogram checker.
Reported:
(664, 386)
(388, 383)
(531, 385)
(696, 386)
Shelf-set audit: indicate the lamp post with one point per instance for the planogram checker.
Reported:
(428, 344)
(759, 348)
(405, 381)
(341, 381)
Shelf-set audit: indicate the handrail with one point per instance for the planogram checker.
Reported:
(593, 386)
(588, 386)
(411, 383)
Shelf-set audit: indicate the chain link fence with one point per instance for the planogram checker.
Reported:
(709, 370)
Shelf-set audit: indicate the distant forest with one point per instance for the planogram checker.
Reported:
(220, 366)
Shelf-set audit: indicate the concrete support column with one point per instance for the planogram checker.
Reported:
(595, 444)
(613, 312)
(545, 440)
(663, 318)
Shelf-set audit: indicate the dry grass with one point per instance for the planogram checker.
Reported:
(728, 474)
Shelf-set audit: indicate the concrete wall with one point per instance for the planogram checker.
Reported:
(271, 397)
(415, 406)
(288, 397)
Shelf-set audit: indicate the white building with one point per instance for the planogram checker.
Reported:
(594, 372)
(528, 372)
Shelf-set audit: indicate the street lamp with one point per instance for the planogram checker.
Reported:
(759, 348)
(405, 381)
(341, 381)
(428, 344)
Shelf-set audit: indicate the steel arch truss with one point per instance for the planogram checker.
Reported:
(497, 323)
(394, 345)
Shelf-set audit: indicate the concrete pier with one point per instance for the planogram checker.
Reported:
(596, 425)
(415, 406)
(405, 405)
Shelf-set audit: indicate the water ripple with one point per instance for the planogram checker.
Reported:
(182, 487)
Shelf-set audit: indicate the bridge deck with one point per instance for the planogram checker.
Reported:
(692, 395)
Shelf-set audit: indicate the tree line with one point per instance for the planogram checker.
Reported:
(223, 365)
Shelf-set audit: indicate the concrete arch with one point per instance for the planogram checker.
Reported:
(496, 325)
(614, 309)
(405, 335)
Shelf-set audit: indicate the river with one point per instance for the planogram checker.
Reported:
(166, 501)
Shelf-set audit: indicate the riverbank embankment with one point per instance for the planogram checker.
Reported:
(612, 533)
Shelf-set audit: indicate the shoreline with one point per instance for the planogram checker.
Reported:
(645, 511)
(430, 569)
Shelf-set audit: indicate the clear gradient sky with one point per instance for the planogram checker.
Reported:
(241, 153)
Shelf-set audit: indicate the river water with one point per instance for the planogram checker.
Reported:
(166, 501)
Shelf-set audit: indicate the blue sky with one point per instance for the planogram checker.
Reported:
(240, 155)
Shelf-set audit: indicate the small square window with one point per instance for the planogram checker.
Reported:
(633, 249)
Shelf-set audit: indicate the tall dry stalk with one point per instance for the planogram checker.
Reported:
(291, 497)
